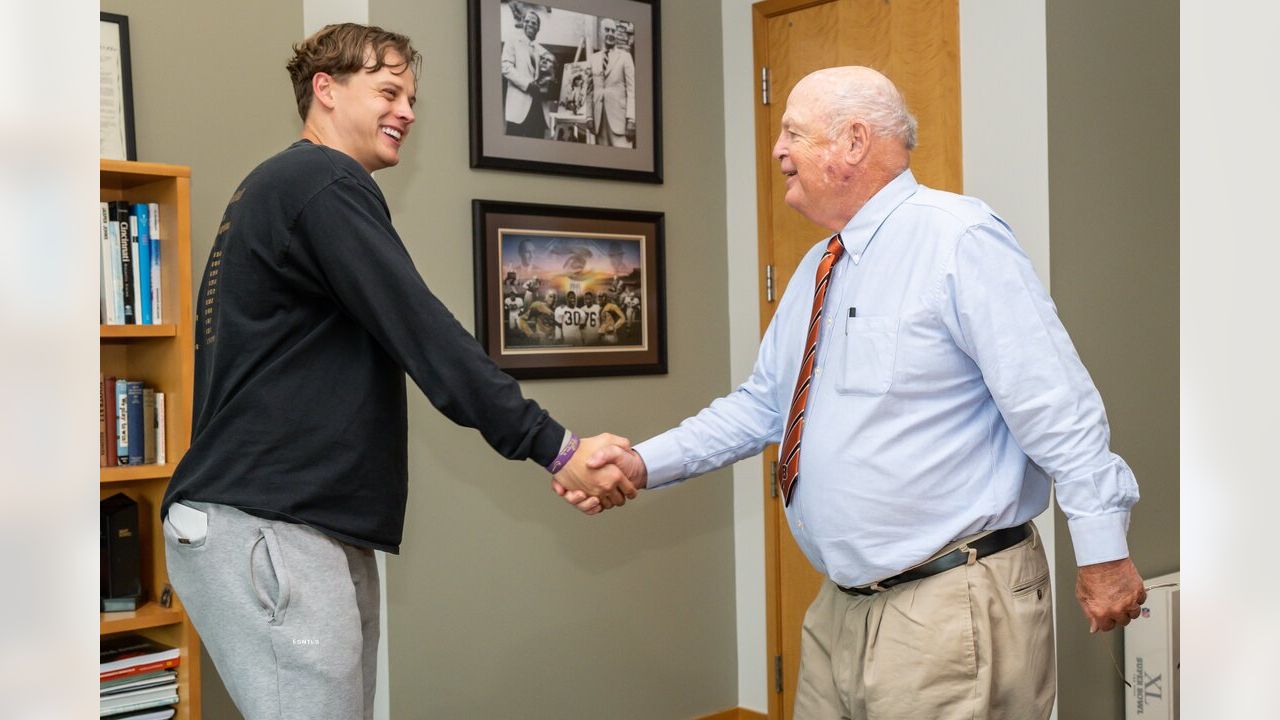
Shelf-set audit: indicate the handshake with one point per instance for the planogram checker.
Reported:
(604, 473)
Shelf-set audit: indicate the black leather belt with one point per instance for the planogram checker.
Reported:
(988, 544)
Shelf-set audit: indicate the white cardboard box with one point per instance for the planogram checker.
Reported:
(1151, 657)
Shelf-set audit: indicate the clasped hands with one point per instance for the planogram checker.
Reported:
(604, 473)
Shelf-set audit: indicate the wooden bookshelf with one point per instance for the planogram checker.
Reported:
(132, 473)
(163, 356)
(151, 615)
(126, 333)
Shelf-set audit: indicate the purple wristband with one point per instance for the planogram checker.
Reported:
(563, 458)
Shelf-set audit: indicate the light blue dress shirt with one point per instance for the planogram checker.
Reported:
(941, 410)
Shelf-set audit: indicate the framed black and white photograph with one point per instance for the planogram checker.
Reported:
(569, 291)
(570, 87)
(116, 110)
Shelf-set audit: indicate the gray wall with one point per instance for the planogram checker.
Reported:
(1113, 182)
(504, 601)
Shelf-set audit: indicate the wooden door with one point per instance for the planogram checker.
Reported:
(916, 44)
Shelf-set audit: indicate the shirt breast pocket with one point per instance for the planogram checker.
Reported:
(870, 346)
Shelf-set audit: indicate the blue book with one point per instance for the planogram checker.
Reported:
(122, 421)
(142, 221)
(137, 431)
(157, 303)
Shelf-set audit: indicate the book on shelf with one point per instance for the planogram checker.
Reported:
(137, 431)
(127, 702)
(161, 450)
(120, 211)
(153, 228)
(139, 222)
(104, 283)
(140, 669)
(112, 290)
(153, 714)
(102, 425)
(122, 421)
(107, 396)
(148, 426)
(139, 681)
(132, 654)
(121, 697)
(130, 263)
(133, 253)
(152, 687)
(132, 420)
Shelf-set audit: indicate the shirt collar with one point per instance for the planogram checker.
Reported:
(857, 234)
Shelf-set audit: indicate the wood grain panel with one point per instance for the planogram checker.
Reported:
(799, 43)
(925, 36)
(865, 34)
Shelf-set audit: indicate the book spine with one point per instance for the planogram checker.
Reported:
(141, 705)
(137, 432)
(158, 676)
(122, 421)
(160, 443)
(109, 400)
(153, 226)
(140, 223)
(113, 265)
(139, 669)
(148, 426)
(120, 210)
(105, 306)
(137, 288)
(102, 423)
(129, 689)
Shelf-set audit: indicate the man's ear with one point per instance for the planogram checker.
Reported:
(857, 142)
(322, 88)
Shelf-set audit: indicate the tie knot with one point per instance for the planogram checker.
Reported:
(836, 246)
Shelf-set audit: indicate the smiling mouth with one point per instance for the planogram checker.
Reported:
(393, 133)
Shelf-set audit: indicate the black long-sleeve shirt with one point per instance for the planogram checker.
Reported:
(309, 315)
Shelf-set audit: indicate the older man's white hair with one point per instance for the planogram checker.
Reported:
(860, 93)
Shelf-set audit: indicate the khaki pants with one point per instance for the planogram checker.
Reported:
(974, 642)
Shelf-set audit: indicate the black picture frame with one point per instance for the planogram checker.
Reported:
(611, 256)
(117, 90)
(495, 145)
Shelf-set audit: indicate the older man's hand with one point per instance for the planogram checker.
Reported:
(1110, 593)
(607, 485)
(621, 457)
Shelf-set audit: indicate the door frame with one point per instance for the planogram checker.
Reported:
(761, 13)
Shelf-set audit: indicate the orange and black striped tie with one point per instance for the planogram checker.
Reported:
(789, 468)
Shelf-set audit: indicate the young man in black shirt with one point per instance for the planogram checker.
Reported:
(310, 315)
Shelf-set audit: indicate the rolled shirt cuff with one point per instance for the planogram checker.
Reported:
(1099, 538)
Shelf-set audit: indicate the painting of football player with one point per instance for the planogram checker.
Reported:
(612, 320)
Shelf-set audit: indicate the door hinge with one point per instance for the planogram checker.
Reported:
(764, 86)
(777, 674)
(773, 479)
(768, 283)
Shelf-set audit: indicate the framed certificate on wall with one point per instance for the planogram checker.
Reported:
(116, 114)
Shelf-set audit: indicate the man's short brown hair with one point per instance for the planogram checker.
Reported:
(342, 49)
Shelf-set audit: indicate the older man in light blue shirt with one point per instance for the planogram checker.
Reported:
(944, 395)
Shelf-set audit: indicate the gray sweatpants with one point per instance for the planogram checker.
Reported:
(289, 615)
